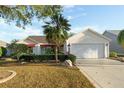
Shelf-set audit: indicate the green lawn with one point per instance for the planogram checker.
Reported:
(45, 75)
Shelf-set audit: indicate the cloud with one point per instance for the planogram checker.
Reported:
(82, 28)
(69, 17)
(76, 16)
(33, 31)
(9, 32)
(69, 6)
(76, 29)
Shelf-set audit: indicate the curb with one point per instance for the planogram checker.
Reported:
(95, 84)
(8, 78)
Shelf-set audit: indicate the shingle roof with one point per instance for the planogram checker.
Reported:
(36, 39)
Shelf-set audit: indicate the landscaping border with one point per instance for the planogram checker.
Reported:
(8, 78)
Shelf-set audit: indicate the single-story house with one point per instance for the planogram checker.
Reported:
(88, 44)
(114, 45)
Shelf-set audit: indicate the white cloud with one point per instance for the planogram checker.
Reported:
(27, 32)
(76, 29)
(69, 17)
(82, 28)
(33, 31)
(17, 33)
(69, 6)
(9, 32)
(77, 16)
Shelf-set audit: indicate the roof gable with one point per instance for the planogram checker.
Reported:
(100, 35)
(88, 36)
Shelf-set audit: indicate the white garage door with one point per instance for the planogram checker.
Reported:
(88, 50)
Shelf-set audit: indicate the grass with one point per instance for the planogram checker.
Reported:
(4, 74)
(45, 75)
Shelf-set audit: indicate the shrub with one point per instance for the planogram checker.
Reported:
(72, 58)
(113, 54)
(27, 57)
(0, 52)
(14, 55)
(17, 49)
(3, 51)
(62, 57)
(49, 51)
(120, 55)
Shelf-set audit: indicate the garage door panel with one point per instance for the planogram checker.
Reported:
(88, 50)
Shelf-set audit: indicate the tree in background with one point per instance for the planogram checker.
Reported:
(17, 49)
(56, 31)
(12, 46)
(121, 38)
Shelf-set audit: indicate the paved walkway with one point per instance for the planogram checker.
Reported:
(103, 72)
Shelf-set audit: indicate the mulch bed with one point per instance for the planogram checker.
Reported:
(4, 74)
(118, 58)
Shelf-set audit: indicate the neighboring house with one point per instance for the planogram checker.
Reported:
(88, 44)
(114, 45)
(3, 44)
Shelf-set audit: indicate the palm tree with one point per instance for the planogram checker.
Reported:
(56, 31)
(121, 38)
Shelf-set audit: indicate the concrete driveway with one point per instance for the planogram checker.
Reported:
(104, 73)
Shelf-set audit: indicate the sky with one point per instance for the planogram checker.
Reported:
(98, 18)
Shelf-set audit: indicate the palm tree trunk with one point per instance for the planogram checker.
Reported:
(56, 53)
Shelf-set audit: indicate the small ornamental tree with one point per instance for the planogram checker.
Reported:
(18, 48)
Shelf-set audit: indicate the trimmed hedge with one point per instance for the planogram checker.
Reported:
(62, 58)
(72, 58)
(25, 57)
